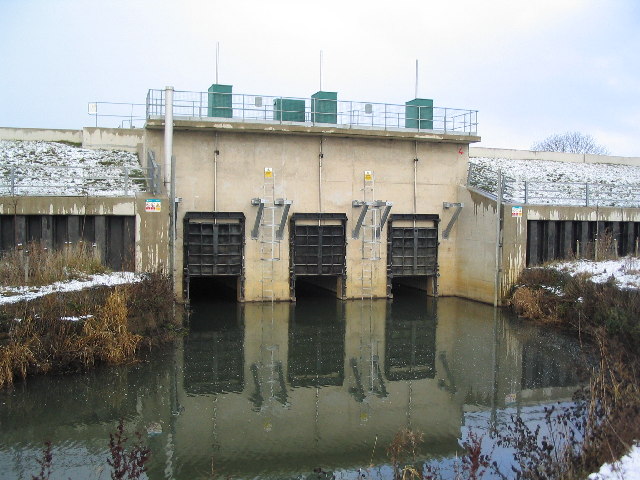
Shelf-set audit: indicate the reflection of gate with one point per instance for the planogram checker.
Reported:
(412, 246)
(318, 245)
(213, 244)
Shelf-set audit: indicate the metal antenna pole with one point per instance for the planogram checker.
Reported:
(320, 70)
(217, 59)
(416, 79)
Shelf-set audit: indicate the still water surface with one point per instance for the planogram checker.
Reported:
(274, 391)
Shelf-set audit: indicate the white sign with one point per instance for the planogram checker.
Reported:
(152, 205)
(516, 212)
(93, 108)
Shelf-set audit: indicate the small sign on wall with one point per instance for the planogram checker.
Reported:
(152, 205)
(516, 212)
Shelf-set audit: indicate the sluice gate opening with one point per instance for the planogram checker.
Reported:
(318, 253)
(412, 253)
(112, 237)
(213, 254)
(549, 240)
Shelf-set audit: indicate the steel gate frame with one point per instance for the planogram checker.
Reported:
(342, 218)
(411, 217)
(215, 217)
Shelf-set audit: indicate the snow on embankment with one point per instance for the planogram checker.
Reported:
(546, 182)
(559, 172)
(627, 468)
(18, 294)
(625, 271)
(51, 168)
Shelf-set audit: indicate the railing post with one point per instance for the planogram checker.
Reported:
(586, 194)
(445, 120)
(13, 181)
(126, 180)
(526, 191)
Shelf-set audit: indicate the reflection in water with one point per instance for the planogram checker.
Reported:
(295, 387)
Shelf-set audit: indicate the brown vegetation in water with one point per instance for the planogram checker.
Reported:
(111, 326)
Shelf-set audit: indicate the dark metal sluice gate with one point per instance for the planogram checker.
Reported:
(564, 239)
(318, 248)
(412, 248)
(112, 236)
(214, 247)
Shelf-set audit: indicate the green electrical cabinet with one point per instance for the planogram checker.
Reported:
(419, 114)
(220, 101)
(288, 110)
(324, 107)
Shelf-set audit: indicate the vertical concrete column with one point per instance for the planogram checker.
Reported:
(629, 238)
(568, 245)
(532, 241)
(550, 241)
(584, 237)
(47, 233)
(617, 238)
(74, 229)
(101, 237)
(21, 229)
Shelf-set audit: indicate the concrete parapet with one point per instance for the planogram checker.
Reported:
(41, 134)
(128, 139)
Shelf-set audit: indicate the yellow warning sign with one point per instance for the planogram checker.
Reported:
(268, 172)
(368, 175)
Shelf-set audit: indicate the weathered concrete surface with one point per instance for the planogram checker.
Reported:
(128, 139)
(552, 156)
(151, 228)
(42, 134)
(315, 184)
(475, 247)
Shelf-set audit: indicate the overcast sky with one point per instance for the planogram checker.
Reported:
(531, 68)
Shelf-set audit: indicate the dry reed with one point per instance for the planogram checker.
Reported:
(38, 265)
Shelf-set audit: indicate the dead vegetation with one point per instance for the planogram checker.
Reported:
(75, 331)
(36, 265)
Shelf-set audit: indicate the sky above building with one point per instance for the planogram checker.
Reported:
(531, 68)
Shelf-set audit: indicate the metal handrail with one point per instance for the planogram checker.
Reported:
(57, 180)
(532, 192)
(312, 111)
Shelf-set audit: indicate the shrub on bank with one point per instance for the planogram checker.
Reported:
(76, 330)
(606, 318)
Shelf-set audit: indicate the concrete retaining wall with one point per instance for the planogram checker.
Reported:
(128, 139)
(41, 134)
(151, 228)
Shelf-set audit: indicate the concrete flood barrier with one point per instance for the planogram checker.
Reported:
(562, 239)
(126, 232)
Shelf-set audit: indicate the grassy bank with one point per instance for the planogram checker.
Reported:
(606, 319)
(74, 331)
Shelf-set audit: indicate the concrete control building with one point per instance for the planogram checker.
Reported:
(273, 193)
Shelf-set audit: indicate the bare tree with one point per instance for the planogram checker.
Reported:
(570, 142)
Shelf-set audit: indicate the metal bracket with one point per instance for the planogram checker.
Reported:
(278, 202)
(259, 202)
(365, 208)
(363, 213)
(456, 214)
(285, 214)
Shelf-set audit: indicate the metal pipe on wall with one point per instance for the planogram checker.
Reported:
(168, 133)
(320, 157)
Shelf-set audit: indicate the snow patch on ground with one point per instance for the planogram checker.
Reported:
(627, 468)
(625, 271)
(18, 294)
(50, 168)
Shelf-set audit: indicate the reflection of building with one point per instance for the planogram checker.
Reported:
(320, 383)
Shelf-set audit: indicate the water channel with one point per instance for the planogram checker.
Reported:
(275, 391)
